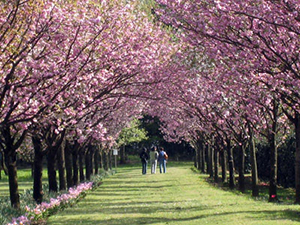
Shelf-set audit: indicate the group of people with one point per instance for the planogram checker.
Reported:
(155, 156)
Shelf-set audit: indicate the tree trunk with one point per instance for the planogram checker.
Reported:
(254, 172)
(91, 157)
(242, 168)
(198, 155)
(207, 148)
(203, 158)
(194, 158)
(61, 168)
(230, 165)
(110, 159)
(297, 157)
(81, 167)
(96, 161)
(38, 170)
(216, 165)
(273, 156)
(122, 154)
(68, 161)
(88, 163)
(105, 160)
(75, 167)
(211, 160)
(223, 163)
(11, 164)
(51, 163)
(101, 158)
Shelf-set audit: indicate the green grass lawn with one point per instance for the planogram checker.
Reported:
(25, 181)
(180, 196)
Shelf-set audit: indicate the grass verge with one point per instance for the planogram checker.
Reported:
(178, 197)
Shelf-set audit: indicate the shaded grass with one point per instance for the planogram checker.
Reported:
(178, 197)
(25, 181)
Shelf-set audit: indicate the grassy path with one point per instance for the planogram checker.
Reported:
(178, 197)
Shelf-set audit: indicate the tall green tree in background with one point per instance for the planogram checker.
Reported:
(130, 135)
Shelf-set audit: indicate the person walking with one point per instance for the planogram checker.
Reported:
(144, 158)
(162, 160)
(153, 159)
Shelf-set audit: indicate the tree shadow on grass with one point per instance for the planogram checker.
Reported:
(126, 219)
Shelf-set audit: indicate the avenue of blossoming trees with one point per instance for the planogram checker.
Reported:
(65, 70)
(74, 73)
(241, 79)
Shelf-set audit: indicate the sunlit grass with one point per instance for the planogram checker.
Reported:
(25, 181)
(179, 197)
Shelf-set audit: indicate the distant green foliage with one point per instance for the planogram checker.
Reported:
(132, 134)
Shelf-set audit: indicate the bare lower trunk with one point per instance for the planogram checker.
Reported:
(297, 157)
(110, 159)
(254, 172)
(81, 167)
(61, 168)
(96, 161)
(123, 155)
(51, 164)
(198, 154)
(38, 170)
(88, 165)
(212, 162)
(68, 161)
(223, 163)
(105, 160)
(273, 156)
(203, 158)
(75, 167)
(230, 165)
(216, 165)
(11, 164)
(242, 168)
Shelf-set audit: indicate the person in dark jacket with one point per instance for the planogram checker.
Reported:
(144, 158)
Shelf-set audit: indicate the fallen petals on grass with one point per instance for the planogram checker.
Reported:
(45, 209)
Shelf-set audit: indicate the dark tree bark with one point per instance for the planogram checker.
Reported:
(10, 158)
(110, 159)
(203, 158)
(223, 165)
(61, 168)
(11, 164)
(216, 165)
(92, 153)
(38, 170)
(198, 155)
(230, 165)
(96, 160)
(68, 161)
(105, 160)
(81, 164)
(273, 155)
(297, 157)
(123, 154)
(241, 168)
(88, 163)
(54, 142)
(75, 167)
(211, 160)
(51, 166)
(195, 157)
(254, 172)
(101, 158)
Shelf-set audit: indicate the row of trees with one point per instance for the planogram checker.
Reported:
(236, 81)
(219, 74)
(69, 75)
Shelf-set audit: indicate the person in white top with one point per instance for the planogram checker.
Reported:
(153, 159)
